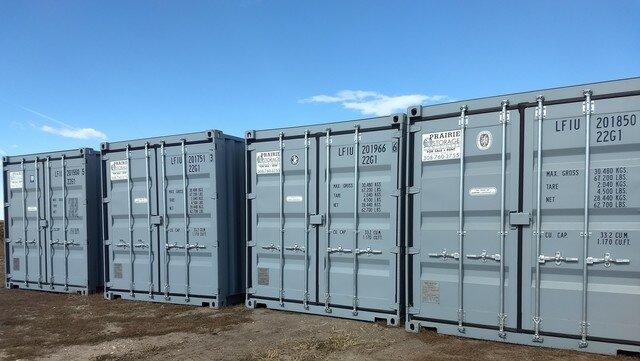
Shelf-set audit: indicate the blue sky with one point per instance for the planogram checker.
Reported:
(75, 73)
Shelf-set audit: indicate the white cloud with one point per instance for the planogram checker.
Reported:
(62, 129)
(374, 103)
(2, 152)
(76, 133)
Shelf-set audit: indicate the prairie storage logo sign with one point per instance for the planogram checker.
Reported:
(15, 180)
(119, 170)
(441, 146)
(268, 162)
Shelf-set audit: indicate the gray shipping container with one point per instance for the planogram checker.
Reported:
(174, 219)
(52, 213)
(522, 250)
(324, 206)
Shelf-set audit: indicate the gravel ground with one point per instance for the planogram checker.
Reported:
(40, 325)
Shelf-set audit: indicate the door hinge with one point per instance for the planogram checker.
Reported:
(251, 243)
(251, 196)
(414, 190)
(413, 250)
(519, 218)
(414, 128)
(316, 219)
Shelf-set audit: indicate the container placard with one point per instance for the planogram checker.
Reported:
(119, 170)
(15, 180)
(483, 191)
(268, 162)
(441, 146)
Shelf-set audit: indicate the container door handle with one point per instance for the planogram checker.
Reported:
(195, 246)
(558, 258)
(607, 260)
(295, 248)
(484, 256)
(444, 255)
(339, 249)
(271, 247)
(368, 250)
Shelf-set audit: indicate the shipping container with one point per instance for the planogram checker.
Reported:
(524, 217)
(52, 212)
(324, 210)
(174, 219)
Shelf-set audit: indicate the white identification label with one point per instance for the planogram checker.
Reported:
(294, 199)
(268, 162)
(32, 209)
(141, 200)
(483, 191)
(15, 180)
(119, 170)
(441, 146)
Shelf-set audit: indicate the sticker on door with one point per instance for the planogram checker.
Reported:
(15, 180)
(119, 170)
(441, 146)
(268, 162)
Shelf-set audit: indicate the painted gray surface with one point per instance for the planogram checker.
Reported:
(61, 200)
(435, 214)
(147, 186)
(353, 250)
(613, 290)
(605, 318)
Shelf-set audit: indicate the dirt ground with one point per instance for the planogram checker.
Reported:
(40, 325)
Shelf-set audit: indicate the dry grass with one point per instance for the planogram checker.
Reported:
(50, 321)
(315, 348)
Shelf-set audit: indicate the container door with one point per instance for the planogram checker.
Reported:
(188, 201)
(581, 265)
(285, 189)
(464, 256)
(27, 255)
(133, 237)
(65, 192)
(360, 199)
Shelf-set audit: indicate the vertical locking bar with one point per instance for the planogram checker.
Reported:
(461, 232)
(25, 225)
(50, 220)
(503, 232)
(327, 273)
(38, 198)
(588, 110)
(150, 230)
(281, 214)
(165, 221)
(186, 221)
(538, 231)
(356, 179)
(130, 218)
(65, 223)
(305, 300)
